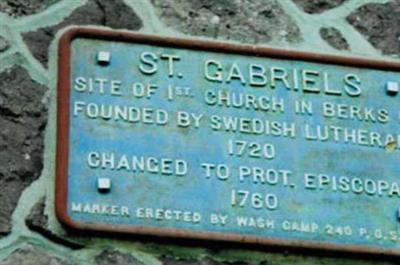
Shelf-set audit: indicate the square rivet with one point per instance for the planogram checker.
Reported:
(103, 184)
(103, 57)
(392, 87)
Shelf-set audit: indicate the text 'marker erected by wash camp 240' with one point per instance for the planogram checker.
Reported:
(208, 140)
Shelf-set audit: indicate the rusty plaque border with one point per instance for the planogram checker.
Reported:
(63, 111)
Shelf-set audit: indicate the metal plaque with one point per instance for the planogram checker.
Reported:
(208, 140)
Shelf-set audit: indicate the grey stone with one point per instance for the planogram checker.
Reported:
(379, 24)
(250, 21)
(113, 257)
(37, 221)
(114, 14)
(18, 8)
(318, 6)
(204, 261)
(4, 45)
(334, 38)
(30, 255)
(22, 121)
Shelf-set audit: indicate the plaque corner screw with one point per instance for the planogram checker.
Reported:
(103, 57)
(104, 184)
(392, 87)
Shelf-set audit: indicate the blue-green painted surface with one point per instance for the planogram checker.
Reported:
(356, 218)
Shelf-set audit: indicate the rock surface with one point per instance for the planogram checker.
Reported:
(250, 21)
(318, 6)
(334, 38)
(380, 25)
(114, 14)
(37, 221)
(30, 255)
(4, 45)
(22, 122)
(18, 8)
(112, 257)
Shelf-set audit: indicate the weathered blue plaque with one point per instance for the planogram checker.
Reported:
(207, 140)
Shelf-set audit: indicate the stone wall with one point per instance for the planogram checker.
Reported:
(29, 231)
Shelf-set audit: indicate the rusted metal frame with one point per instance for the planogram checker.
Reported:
(63, 101)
